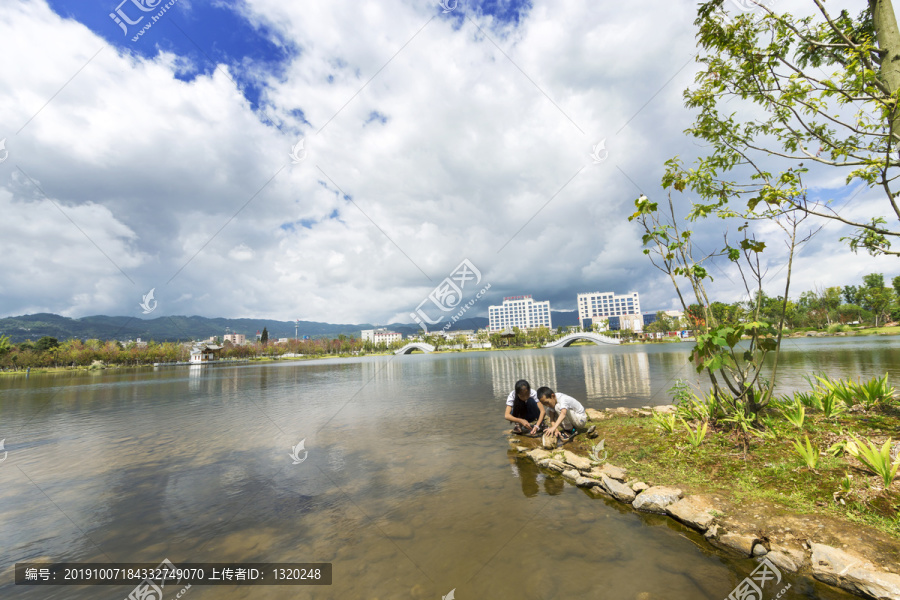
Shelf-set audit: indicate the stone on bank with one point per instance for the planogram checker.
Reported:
(657, 498)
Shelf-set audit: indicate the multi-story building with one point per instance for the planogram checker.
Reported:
(469, 334)
(519, 311)
(376, 336)
(600, 305)
(238, 339)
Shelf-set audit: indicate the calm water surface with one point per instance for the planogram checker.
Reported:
(408, 488)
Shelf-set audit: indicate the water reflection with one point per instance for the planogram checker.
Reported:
(506, 368)
(531, 477)
(195, 374)
(616, 376)
(407, 462)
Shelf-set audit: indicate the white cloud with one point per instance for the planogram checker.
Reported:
(182, 178)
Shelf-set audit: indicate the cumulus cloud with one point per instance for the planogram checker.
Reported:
(429, 138)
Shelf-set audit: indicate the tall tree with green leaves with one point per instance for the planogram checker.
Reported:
(876, 297)
(824, 90)
(46, 343)
(264, 338)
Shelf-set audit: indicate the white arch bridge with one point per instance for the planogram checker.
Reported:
(407, 349)
(567, 340)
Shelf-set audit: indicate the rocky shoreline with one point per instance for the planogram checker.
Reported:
(858, 561)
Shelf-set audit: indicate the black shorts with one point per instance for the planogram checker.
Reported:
(527, 410)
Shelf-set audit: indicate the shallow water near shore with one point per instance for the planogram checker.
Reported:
(408, 487)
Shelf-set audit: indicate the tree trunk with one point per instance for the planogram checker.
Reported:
(888, 36)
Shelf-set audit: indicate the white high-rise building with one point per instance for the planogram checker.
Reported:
(521, 312)
(600, 305)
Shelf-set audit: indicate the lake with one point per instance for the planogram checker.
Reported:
(408, 487)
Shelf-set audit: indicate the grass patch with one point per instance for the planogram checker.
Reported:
(772, 470)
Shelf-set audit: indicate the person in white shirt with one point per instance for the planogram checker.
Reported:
(566, 413)
(523, 409)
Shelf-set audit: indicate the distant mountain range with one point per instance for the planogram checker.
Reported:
(178, 328)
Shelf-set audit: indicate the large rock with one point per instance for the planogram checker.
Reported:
(786, 558)
(657, 499)
(610, 471)
(594, 414)
(544, 462)
(556, 465)
(538, 454)
(586, 482)
(738, 542)
(784, 562)
(665, 408)
(579, 462)
(828, 563)
(548, 442)
(850, 572)
(571, 474)
(619, 490)
(695, 511)
(639, 486)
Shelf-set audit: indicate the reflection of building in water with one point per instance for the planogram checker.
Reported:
(616, 375)
(195, 374)
(381, 370)
(537, 369)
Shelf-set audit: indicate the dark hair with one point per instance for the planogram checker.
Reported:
(522, 386)
(544, 392)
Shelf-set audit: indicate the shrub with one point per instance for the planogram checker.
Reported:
(795, 413)
(877, 460)
(666, 422)
(696, 437)
(873, 392)
(809, 453)
(839, 388)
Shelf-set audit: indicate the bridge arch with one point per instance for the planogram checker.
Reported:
(408, 349)
(568, 340)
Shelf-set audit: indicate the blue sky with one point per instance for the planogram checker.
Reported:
(336, 161)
